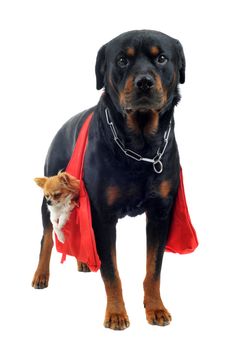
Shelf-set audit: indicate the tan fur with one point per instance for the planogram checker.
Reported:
(113, 194)
(165, 188)
(152, 126)
(61, 193)
(41, 276)
(161, 91)
(154, 51)
(125, 94)
(132, 123)
(156, 313)
(116, 316)
(130, 52)
(59, 186)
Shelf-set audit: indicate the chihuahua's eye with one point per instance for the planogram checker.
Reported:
(46, 196)
(123, 62)
(57, 195)
(162, 60)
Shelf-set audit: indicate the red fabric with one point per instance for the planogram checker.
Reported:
(78, 231)
(182, 237)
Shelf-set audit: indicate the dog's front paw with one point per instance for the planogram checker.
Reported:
(40, 280)
(116, 321)
(159, 317)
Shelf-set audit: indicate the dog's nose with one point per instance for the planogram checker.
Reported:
(144, 82)
(49, 202)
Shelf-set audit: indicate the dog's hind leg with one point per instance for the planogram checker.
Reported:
(82, 267)
(41, 276)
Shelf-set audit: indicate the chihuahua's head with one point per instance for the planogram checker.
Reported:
(58, 188)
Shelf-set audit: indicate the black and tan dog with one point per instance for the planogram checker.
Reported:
(131, 163)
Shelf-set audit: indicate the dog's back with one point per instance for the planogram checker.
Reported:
(62, 146)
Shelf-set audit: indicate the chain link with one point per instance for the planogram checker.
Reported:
(156, 161)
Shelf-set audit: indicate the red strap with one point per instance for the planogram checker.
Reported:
(78, 231)
(75, 165)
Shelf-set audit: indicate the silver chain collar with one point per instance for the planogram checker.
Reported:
(156, 161)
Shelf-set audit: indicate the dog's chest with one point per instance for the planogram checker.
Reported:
(121, 189)
(131, 197)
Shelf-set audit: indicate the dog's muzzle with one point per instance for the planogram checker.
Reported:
(144, 82)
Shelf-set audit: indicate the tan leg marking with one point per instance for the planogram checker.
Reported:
(116, 316)
(156, 313)
(41, 276)
(82, 267)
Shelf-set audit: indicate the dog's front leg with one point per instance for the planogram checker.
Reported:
(157, 231)
(105, 232)
(41, 276)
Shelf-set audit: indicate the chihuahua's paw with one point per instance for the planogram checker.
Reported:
(60, 235)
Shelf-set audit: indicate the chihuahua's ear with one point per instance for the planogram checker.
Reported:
(40, 181)
(69, 181)
(64, 178)
(100, 67)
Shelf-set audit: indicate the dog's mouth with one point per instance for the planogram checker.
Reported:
(141, 110)
(143, 105)
(142, 114)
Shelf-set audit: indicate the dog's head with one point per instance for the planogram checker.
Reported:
(57, 188)
(140, 71)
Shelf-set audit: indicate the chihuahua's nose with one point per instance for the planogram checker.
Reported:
(49, 202)
(144, 82)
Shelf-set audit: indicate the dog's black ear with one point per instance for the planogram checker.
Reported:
(100, 67)
(181, 62)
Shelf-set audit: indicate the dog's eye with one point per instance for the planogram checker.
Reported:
(123, 62)
(161, 59)
(57, 196)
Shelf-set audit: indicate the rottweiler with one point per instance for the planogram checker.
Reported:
(131, 163)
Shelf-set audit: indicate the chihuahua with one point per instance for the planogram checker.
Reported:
(61, 194)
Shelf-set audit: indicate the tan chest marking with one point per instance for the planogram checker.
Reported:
(165, 188)
(113, 193)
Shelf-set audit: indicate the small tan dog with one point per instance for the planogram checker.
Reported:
(61, 194)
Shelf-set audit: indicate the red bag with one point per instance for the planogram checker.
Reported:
(78, 231)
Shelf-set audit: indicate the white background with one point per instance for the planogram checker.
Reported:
(48, 51)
